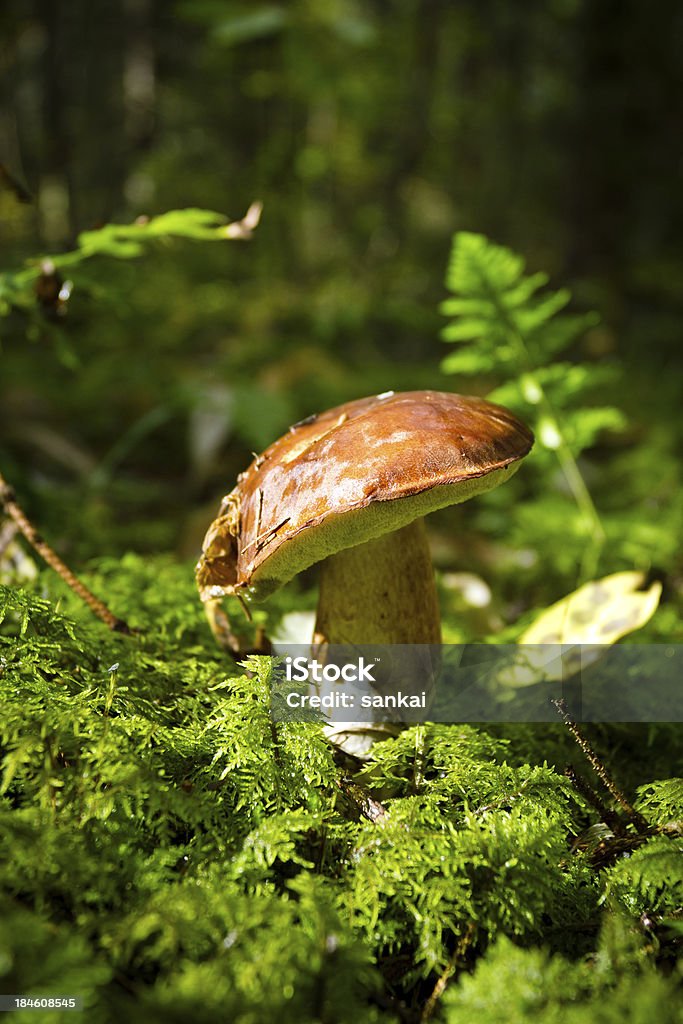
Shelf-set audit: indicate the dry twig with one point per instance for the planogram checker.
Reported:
(18, 516)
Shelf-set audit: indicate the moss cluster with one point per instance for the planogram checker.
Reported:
(168, 854)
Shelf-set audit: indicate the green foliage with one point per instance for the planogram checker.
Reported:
(173, 854)
(504, 326)
(662, 801)
(37, 956)
(120, 241)
(507, 325)
(512, 985)
(651, 879)
(501, 866)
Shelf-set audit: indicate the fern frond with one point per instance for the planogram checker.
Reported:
(497, 301)
(651, 878)
(506, 321)
(662, 800)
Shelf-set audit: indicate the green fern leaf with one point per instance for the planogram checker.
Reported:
(495, 299)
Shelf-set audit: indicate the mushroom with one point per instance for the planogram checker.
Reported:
(349, 488)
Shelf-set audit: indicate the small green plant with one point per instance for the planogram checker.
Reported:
(507, 325)
(123, 242)
(516, 985)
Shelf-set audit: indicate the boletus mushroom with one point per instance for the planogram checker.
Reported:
(350, 488)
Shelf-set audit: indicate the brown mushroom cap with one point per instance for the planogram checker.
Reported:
(351, 474)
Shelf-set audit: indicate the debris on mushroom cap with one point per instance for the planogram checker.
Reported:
(350, 474)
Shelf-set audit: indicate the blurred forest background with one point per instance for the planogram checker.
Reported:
(372, 130)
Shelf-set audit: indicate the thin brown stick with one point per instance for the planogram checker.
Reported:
(15, 512)
(610, 818)
(449, 970)
(599, 768)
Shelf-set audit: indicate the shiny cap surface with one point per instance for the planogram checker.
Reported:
(347, 475)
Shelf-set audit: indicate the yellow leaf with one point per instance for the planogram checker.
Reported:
(573, 633)
(599, 612)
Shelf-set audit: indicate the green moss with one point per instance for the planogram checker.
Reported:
(169, 854)
(522, 986)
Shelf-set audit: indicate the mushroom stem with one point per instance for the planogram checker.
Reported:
(380, 592)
